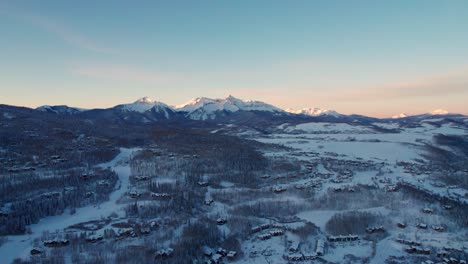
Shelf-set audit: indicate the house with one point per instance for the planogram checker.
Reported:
(142, 178)
(264, 236)
(216, 258)
(427, 210)
(145, 230)
(294, 257)
(207, 251)
(231, 254)
(276, 232)
(371, 230)
(438, 228)
(421, 226)
(401, 225)
(294, 247)
(223, 252)
(160, 195)
(35, 251)
(209, 201)
(279, 189)
(408, 242)
(134, 194)
(164, 253)
(94, 239)
(309, 256)
(320, 247)
(56, 243)
(341, 238)
(418, 250)
(442, 254)
(203, 183)
(221, 221)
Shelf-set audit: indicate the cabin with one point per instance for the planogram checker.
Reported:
(209, 201)
(438, 228)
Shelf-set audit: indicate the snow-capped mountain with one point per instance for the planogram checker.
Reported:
(60, 109)
(439, 112)
(314, 112)
(144, 104)
(203, 108)
(402, 115)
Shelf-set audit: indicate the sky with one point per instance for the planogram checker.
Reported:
(377, 58)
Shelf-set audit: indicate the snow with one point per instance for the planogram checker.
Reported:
(402, 115)
(144, 104)
(59, 109)
(332, 128)
(321, 217)
(203, 108)
(439, 112)
(314, 112)
(8, 115)
(387, 125)
(20, 245)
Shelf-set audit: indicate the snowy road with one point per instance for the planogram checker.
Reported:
(19, 246)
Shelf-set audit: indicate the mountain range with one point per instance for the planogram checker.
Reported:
(227, 110)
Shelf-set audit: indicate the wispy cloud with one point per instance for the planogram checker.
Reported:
(449, 83)
(122, 73)
(65, 33)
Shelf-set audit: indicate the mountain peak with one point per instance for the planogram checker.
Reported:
(142, 105)
(439, 112)
(145, 100)
(314, 112)
(402, 115)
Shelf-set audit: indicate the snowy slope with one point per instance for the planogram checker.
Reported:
(59, 109)
(314, 112)
(144, 104)
(402, 115)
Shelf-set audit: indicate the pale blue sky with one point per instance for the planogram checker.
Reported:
(377, 58)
